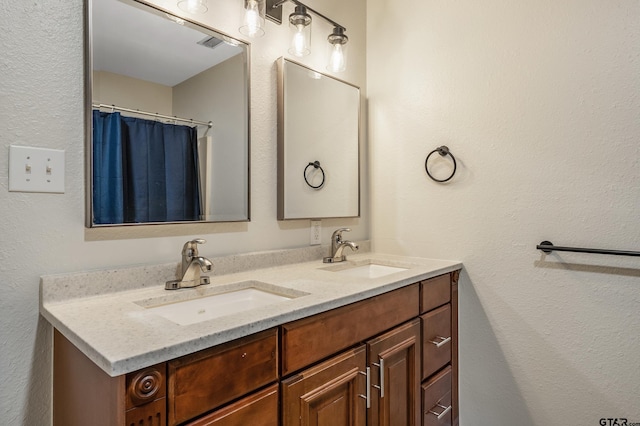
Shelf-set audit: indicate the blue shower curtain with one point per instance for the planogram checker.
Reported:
(108, 177)
(149, 172)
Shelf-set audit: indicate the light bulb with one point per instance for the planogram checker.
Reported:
(299, 42)
(253, 24)
(337, 63)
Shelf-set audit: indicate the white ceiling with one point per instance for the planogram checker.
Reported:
(133, 42)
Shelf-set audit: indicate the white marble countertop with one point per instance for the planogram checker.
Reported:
(97, 311)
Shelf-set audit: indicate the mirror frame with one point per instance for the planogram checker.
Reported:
(282, 143)
(88, 115)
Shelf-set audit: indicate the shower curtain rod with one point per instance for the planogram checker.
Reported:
(154, 114)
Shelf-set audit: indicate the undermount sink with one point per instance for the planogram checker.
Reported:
(226, 300)
(366, 270)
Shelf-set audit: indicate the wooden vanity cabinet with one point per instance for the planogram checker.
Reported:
(83, 394)
(313, 371)
(167, 394)
(439, 319)
(332, 393)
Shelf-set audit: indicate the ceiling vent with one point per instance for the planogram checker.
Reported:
(210, 42)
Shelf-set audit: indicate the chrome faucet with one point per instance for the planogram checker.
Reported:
(338, 245)
(192, 265)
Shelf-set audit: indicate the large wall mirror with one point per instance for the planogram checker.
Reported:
(318, 144)
(168, 118)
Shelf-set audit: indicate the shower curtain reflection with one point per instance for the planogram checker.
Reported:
(143, 171)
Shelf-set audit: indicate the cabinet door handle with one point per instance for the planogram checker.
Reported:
(444, 412)
(443, 341)
(367, 397)
(380, 366)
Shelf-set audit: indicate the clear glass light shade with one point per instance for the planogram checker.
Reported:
(300, 25)
(193, 6)
(337, 51)
(337, 58)
(253, 21)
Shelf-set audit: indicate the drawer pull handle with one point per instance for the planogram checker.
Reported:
(444, 412)
(443, 341)
(367, 397)
(381, 369)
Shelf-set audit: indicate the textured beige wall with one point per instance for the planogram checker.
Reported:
(539, 102)
(41, 104)
(123, 91)
(217, 95)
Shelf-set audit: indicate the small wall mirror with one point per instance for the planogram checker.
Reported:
(318, 144)
(168, 118)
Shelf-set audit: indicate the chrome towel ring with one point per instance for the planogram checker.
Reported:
(443, 151)
(316, 165)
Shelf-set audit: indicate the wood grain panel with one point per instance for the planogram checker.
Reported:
(327, 394)
(436, 399)
(454, 348)
(398, 353)
(258, 409)
(435, 292)
(83, 394)
(151, 414)
(312, 339)
(435, 324)
(146, 385)
(205, 380)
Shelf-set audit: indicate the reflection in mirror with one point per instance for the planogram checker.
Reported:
(318, 140)
(168, 137)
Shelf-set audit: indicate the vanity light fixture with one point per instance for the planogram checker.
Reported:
(300, 22)
(253, 20)
(193, 6)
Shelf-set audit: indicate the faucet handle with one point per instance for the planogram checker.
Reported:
(337, 234)
(190, 248)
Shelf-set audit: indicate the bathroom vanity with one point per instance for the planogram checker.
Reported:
(370, 341)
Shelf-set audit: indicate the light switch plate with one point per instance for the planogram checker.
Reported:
(36, 169)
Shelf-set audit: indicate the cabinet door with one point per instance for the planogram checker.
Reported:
(395, 375)
(329, 394)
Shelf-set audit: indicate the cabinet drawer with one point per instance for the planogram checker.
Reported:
(205, 380)
(435, 292)
(311, 339)
(436, 340)
(436, 400)
(258, 409)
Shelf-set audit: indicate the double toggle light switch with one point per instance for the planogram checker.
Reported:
(36, 169)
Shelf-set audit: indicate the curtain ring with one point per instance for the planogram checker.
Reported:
(443, 151)
(316, 165)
